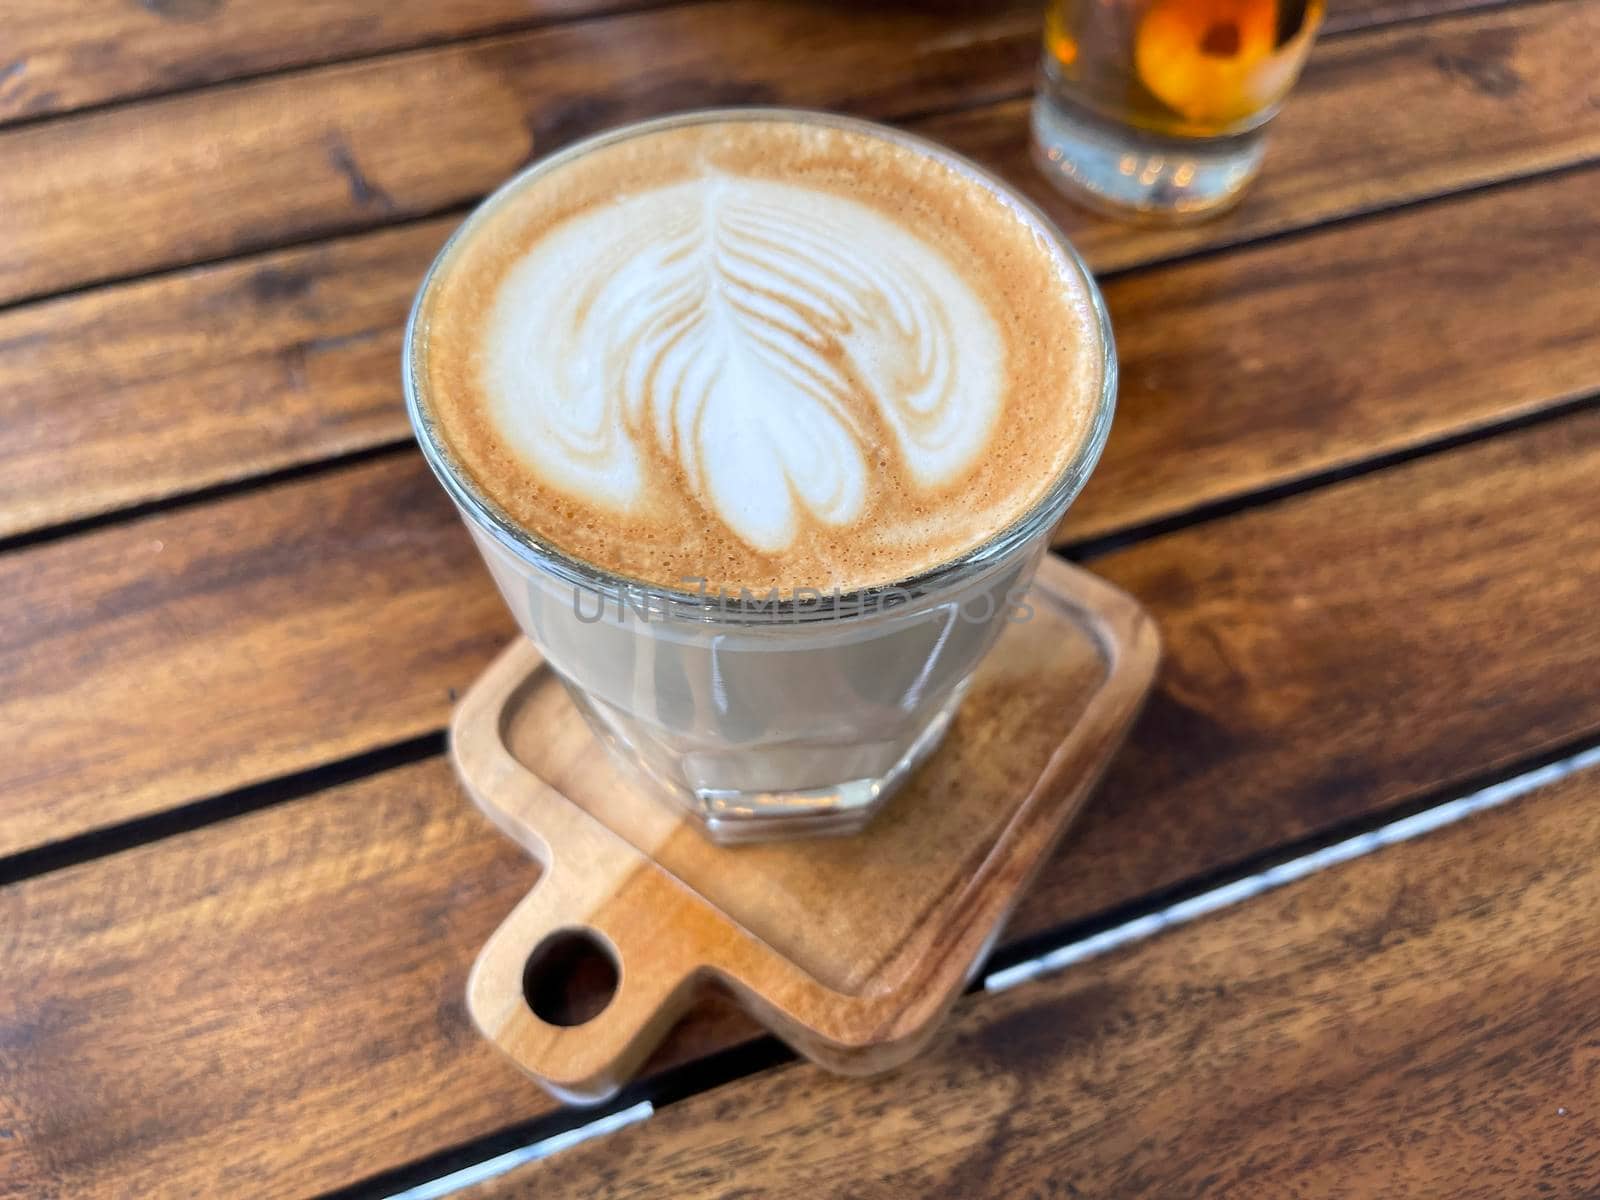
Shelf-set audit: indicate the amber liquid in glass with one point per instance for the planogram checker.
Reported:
(1155, 105)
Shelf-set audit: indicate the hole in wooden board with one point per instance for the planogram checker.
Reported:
(570, 977)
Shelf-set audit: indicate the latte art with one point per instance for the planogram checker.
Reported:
(760, 352)
(760, 339)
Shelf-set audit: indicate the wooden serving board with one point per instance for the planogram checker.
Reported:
(849, 949)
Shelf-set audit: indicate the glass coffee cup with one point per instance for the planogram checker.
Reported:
(766, 711)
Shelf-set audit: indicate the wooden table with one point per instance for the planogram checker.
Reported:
(1355, 475)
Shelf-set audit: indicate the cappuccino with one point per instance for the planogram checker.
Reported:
(761, 352)
(817, 365)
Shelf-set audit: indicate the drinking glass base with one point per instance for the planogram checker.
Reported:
(732, 817)
(1125, 172)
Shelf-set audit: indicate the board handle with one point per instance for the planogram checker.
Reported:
(552, 954)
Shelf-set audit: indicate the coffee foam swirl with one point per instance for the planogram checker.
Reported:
(762, 338)
(761, 352)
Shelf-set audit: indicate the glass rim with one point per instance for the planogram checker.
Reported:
(526, 545)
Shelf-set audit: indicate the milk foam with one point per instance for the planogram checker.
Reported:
(761, 351)
(761, 336)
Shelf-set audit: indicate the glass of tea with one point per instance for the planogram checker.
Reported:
(1157, 109)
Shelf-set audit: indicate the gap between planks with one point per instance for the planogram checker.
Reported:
(213, 810)
(1084, 550)
(476, 1163)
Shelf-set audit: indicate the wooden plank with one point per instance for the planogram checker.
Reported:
(187, 654)
(209, 174)
(147, 390)
(350, 147)
(1329, 655)
(134, 393)
(1258, 367)
(1382, 118)
(1358, 646)
(1421, 1022)
(60, 57)
(315, 967)
(1237, 373)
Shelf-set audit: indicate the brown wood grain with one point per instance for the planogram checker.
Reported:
(347, 147)
(1257, 367)
(1357, 646)
(133, 393)
(313, 153)
(334, 614)
(190, 653)
(1365, 644)
(1422, 1022)
(62, 56)
(140, 391)
(170, 658)
(267, 1008)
